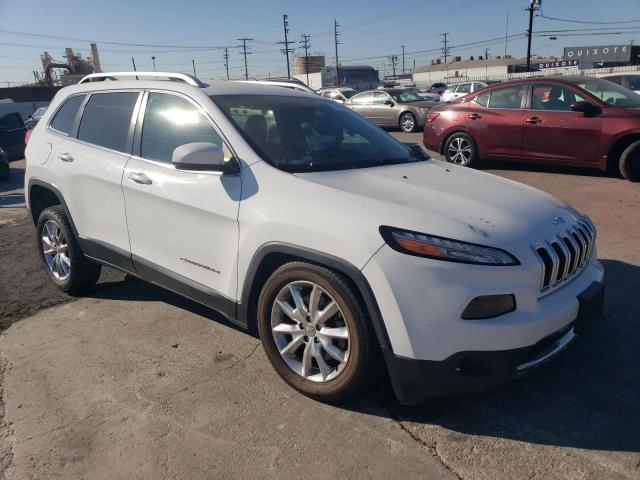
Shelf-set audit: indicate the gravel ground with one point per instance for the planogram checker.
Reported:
(135, 382)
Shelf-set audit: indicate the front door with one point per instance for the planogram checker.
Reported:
(382, 113)
(183, 225)
(555, 133)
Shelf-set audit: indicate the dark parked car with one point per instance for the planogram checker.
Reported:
(438, 88)
(392, 107)
(12, 133)
(573, 120)
(5, 169)
(35, 117)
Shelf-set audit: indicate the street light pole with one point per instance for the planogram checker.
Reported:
(153, 59)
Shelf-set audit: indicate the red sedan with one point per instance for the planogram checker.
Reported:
(581, 121)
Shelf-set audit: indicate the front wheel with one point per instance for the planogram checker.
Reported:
(630, 162)
(314, 331)
(408, 122)
(461, 150)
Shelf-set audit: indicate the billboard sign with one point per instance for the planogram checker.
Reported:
(556, 64)
(602, 53)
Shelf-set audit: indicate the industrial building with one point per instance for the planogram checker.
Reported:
(313, 71)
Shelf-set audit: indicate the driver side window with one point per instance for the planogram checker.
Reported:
(553, 97)
(379, 98)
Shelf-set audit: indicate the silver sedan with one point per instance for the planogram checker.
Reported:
(392, 107)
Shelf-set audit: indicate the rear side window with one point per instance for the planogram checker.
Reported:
(483, 99)
(65, 117)
(106, 120)
(171, 121)
(510, 97)
(464, 88)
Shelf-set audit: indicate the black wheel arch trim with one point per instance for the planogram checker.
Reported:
(53, 189)
(319, 258)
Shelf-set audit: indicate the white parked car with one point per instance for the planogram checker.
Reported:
(627, 80)
(338, 94)
(459, 90)
(298, 218)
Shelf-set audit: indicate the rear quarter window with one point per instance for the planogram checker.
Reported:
(65, 117)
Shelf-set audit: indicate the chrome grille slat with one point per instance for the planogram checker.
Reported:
(563, 256)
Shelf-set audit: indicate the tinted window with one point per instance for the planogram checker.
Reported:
(171, 121)
(614, 95)
(464, 88)
(65, 117)
(379, 98)
(634, 82)
(106, 119)
(362, 99)
(617, 79)
(11, 121)
(483, 99)
(452, 88)
(298, 134)
(553, 97)
(510, 97)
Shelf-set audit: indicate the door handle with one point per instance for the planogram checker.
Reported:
(533, 120)
(141, 178)
(473, 116)
(65, 157)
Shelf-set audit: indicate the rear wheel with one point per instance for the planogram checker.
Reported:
(461, 150)
(314, 331)
(408, 122)
(64, 261)
(630, 162)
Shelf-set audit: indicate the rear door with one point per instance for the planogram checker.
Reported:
(183, 224)
(495, 121)
(90, 168)
(555, 133)
(12, 133)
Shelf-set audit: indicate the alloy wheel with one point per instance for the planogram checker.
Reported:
(310, 331)
(407, 123)
(56, 250)
(459, 151)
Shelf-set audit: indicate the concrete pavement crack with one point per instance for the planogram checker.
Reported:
(432, 449)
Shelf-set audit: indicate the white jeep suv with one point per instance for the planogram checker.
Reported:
(294, 216)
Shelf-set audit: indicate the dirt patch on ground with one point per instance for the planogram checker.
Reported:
(25, 287)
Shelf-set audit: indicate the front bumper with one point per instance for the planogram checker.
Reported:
(414, 381)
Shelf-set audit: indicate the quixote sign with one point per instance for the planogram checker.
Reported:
(603, 53)
(557, 64)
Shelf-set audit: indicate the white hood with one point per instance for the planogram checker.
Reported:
(443, 199)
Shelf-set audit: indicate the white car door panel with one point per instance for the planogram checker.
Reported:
(185, 222)
(90, 168)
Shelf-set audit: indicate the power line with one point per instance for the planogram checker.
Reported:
(587, 21)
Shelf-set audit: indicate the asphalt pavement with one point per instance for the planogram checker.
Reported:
(136, 382)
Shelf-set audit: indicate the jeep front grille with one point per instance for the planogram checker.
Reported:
(564, 255)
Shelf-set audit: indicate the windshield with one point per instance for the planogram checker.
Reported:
(298, 134)
(405, 96)
(610, 93)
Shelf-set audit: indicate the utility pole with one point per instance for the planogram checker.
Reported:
(506, 36)
(244, 50)
(403, 70)
(226, 60)
(286, 50)
(305, 44)
(445, 49)
(534, 5)
(336, 42)
(394, 59)
(486, 54)
(134, 66)
(194, 67)
(153, 59)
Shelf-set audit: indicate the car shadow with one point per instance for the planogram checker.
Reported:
(588, 397)
(14, 182)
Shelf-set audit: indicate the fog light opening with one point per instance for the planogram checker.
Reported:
(489, 306)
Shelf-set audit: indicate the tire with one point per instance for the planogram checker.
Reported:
(407, 122)
(630, 162)
(75, 275)
(345, 334)
(461, 150)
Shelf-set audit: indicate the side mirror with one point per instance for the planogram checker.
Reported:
(587, 108)
(389, 102)
(203, 156)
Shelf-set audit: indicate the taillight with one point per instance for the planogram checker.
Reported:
(431, 116)
(26, 136)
